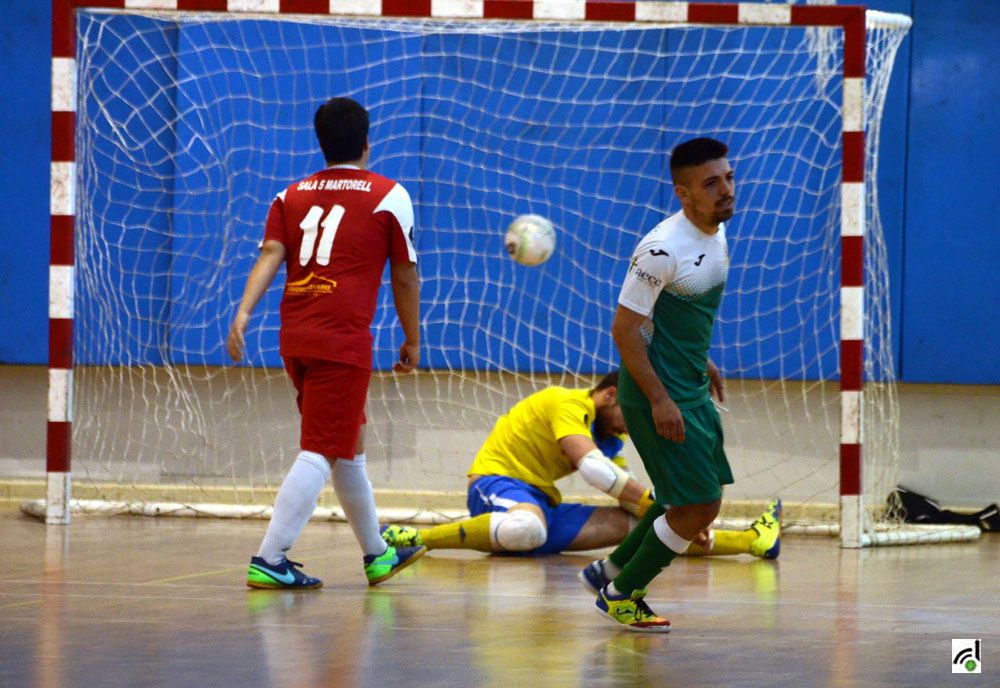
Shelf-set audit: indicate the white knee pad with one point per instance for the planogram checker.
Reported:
(517, 531)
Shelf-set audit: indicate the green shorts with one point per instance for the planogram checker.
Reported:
(690, 472)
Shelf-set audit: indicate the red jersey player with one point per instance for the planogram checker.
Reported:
(334, 231)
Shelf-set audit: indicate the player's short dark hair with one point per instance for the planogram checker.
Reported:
(342, 129)
(695, 152)
(609, 380)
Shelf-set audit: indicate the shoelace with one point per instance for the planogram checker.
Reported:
(642, 610)
(293, 564)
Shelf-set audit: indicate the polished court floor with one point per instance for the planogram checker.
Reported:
(129, 601)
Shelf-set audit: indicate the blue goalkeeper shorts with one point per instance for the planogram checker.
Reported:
(498, 493)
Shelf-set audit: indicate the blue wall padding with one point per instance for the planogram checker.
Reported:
(474, 152)
(951, 281)
(934, 198)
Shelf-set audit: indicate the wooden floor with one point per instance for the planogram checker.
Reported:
(119, 601)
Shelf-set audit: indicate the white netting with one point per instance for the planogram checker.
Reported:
(189, 124)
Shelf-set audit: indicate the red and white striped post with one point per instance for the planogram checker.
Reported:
(62, 209)
(852, 283)
(851, 19)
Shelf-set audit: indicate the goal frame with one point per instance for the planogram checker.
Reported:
(850, 19)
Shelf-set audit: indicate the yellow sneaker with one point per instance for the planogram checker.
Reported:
(400, 536)
(631, 611)
(767, 545)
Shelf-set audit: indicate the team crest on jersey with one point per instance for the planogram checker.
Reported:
(311, 284)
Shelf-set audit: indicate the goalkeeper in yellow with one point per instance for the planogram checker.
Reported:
(513, 502)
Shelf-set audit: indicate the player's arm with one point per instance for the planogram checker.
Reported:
(403, 273)
(632, 347)
(649, 271)
(600, 472)
(272, 255)
(406, 296)
(715, 383)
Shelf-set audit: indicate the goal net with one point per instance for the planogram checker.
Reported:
(188, 124)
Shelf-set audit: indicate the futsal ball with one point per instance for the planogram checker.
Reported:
(530, 239)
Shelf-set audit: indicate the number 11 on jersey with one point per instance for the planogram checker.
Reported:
(310, 229)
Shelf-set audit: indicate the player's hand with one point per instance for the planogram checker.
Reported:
(668, 420)
(715, 383)
(703, 538)
(235, 344)
(409, 358)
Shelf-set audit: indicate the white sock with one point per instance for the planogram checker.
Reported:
(350, 481)
(610, 570)
(294, 504)
(669, 537)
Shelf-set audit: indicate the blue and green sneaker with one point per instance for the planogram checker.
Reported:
(389, 563)
(282, 576)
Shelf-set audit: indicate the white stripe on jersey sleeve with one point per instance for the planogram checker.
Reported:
(398, 202)
(651, 268)
(281, 197)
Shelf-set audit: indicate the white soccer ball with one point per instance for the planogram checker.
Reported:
(530, 239)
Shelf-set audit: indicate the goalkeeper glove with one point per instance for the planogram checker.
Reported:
(639, 510)
(611, 446)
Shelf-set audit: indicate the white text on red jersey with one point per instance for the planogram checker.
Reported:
(334, 185)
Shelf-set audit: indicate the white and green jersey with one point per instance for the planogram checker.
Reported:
(676, 278)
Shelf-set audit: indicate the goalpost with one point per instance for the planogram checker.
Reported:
(175, 122)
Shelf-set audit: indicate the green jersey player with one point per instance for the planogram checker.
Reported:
(675, 279)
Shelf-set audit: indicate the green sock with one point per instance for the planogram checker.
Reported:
(630, 545)
(652, 557)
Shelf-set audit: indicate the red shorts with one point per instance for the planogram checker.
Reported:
(331, 398)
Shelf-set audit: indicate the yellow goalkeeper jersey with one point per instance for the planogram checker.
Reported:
(524, 443)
